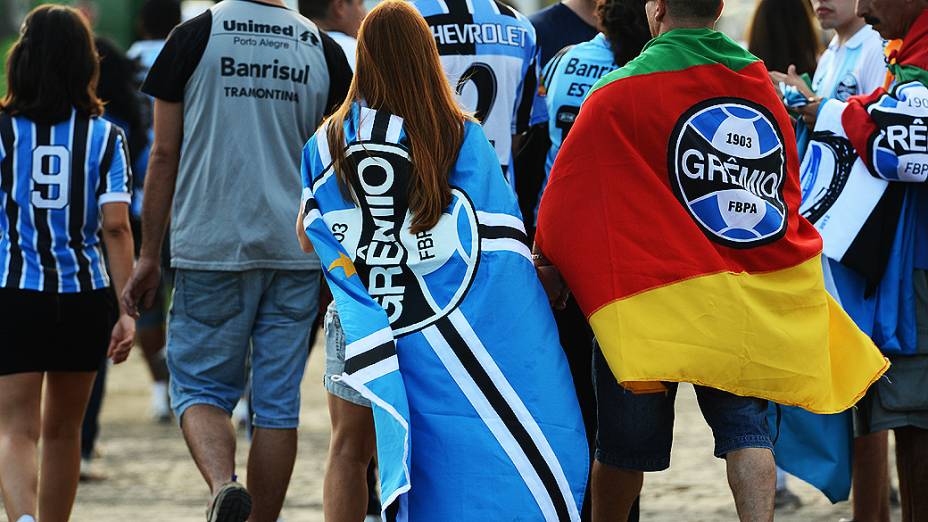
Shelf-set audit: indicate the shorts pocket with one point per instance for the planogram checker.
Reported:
(296, 293)
(211, 297)
(903, 389)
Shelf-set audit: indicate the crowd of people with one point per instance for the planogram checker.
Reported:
(518, 234)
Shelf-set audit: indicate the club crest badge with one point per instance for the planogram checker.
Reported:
(416, 278)
(727, 167)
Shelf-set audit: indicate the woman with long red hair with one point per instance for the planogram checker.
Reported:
(445, 330)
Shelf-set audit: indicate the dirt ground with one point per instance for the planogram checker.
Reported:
(150, 476)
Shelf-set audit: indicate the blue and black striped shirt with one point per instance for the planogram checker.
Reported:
(53, 181)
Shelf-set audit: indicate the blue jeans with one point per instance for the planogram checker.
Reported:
(220, 319)
(636, 431)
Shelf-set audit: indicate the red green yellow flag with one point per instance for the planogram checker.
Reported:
(671, 211)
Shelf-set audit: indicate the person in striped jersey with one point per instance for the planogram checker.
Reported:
(64, 187)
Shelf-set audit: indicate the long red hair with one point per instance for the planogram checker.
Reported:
(399, 71)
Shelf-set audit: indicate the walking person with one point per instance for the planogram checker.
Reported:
(65, 182)
(672, 214)
(405, 203)
(237, 90)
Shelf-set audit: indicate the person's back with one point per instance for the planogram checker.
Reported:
(490, 55)
(237, 91)
(244, 62)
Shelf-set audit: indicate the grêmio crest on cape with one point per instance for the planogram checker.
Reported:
(416, 278)
(727, 166)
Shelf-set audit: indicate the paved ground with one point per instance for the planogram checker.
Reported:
(151, 477)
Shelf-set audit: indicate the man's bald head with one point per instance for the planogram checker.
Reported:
(664, 15)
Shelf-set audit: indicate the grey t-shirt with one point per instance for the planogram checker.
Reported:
(255, 80)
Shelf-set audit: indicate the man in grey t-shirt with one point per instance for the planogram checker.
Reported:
(238, 91)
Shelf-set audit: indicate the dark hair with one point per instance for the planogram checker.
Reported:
(117, 87)
(625, 24)
(783, 33)
(315, 9)
(53, 67)
(693, 9)
(159, 17)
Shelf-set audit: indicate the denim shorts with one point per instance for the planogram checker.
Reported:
(220, 319)
(335, 361)
(636, 431)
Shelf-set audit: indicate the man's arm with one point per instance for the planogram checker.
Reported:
(156, 209)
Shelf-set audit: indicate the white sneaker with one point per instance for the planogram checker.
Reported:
(160, 407)
(26, 518)
(372, 518)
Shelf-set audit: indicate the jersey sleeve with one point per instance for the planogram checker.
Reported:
(339, 72)
(115, 170)
(364, 322)
(888, 132)
(530, 108)
(178, 59)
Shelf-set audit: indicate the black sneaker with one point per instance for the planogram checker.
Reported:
(787, 500)
(231, 504)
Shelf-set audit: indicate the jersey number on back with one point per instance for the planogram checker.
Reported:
(484, 79)
(51, 177)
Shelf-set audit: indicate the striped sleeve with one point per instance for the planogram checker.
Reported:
(530, 108)
(115, 170)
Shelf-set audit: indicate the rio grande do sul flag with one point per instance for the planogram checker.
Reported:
(672, 214)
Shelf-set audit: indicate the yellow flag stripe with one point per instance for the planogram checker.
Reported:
(776, 336)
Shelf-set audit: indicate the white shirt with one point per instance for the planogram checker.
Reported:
(348, 44)
(857, 67)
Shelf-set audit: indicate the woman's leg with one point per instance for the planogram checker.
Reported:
(351, 449)
(66, 397)
(20, 411)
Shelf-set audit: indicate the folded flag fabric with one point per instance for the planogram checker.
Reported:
(449, 334)
(672, 212)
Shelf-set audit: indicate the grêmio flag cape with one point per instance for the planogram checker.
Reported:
(672, 215)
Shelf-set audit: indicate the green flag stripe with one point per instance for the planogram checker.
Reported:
(681, 49)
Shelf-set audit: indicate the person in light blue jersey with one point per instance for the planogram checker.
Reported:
(65, 182)
(448, 334)
(568, 77)
(490, 54)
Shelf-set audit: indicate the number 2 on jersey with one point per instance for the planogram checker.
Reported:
(51, 177)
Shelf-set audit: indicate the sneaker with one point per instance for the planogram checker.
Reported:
(89, 473)
(786, 500)
(160, 404)
(231, 504)
(372, 518)
(26, 518)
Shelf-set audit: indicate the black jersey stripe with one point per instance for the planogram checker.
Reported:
(502, 408)
(109, 149)
(499, 232)
(504, 9)
(78, 201)
(8, 185)
(370, 357)
(380, 127)
(44, 240)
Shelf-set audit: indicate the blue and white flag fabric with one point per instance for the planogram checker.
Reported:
(449, 333)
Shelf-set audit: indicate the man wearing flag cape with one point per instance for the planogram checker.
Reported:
(864, 188)
(672, 215)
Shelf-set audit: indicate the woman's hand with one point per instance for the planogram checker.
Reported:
(305, 243)
(121, 339)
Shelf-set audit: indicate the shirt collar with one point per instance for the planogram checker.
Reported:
(855, 41)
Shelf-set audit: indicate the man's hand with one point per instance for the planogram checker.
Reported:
(142, 286)
(554, 285)
(305, 243)
(792, 79)
(121, 339)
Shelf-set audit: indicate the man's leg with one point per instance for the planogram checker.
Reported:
(280, 337)
(21, 414)
(208, 334)
(210, 437)
(350, 452)
(742, 437)
(752, 476)
(634, 435)
(912, 466)
(871, 477)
